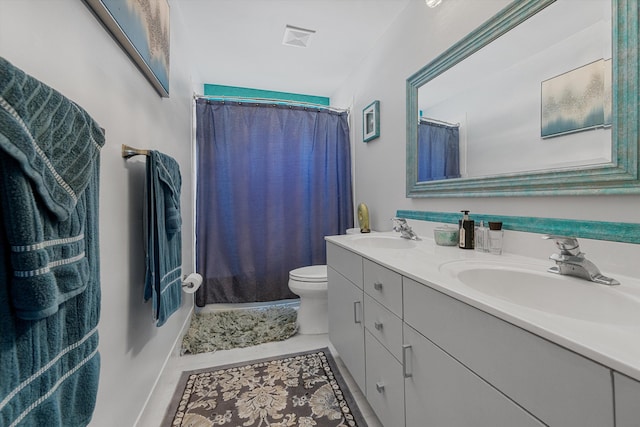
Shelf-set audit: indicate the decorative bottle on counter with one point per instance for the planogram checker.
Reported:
(481, 238)
(466, 231)
(363, 218)
(495, 237)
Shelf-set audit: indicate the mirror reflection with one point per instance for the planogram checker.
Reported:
(538, 98)
(438, 149)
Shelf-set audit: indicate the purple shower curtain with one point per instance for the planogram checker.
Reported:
(438, 151)
(273, 180)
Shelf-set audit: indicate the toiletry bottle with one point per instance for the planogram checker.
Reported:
(466, 231)
(485, 238)
(495, 237)
(481, 238)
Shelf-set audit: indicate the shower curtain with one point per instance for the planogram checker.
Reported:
(438, 151)
(272, 181)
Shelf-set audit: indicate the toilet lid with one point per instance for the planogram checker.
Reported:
(313, 273)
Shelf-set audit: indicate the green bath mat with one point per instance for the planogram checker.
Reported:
(224, 330)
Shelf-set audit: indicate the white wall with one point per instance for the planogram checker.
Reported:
(417, 37)
(62, 44)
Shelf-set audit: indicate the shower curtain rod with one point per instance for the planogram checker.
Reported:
(271, 101)
(442, 122)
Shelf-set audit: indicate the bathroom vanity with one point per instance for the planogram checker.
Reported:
(435, 336)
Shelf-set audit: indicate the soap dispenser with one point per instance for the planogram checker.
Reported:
(466, 231)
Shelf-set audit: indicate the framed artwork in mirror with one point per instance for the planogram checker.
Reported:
(142, 29)
(577, 100)
(371, 122)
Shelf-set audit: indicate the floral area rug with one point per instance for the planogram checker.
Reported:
(223, 330)
(304, 389)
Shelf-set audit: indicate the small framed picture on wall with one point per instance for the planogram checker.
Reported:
(371, 121)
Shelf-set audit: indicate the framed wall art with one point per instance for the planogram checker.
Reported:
(142, 28)
(577, 100)
(371, 121)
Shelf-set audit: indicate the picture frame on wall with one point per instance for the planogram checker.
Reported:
(371, 122)
(577, 100)
(142, 28)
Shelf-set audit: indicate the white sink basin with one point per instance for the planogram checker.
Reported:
(384, 242)
(531, 286)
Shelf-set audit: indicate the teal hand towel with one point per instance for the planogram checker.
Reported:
(163, 279)
(50, 306)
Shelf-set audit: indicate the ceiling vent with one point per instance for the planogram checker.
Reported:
(295, 36)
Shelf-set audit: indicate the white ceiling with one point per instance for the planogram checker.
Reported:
(239, 42)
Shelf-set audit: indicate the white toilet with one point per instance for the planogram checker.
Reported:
(310, 284)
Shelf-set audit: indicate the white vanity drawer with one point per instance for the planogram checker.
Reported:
(384, 285)
(557, 386)
(385, 383)
(345, 262)
(441, 392)
(384, 325)
(627, 401)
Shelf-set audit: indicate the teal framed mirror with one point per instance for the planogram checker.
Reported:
(568, 162)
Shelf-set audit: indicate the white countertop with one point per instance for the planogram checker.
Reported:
(614, 343)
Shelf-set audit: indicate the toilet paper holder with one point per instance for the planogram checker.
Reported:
(191, 282)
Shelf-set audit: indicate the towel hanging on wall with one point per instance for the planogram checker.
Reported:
(49, 255)
(163, 278)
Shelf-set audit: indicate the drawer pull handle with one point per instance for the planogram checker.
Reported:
(378, 325)
(406, 374)
(355, 312)
(380, 387)
(377, 286)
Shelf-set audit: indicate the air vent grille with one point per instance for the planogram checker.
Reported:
(297, 37)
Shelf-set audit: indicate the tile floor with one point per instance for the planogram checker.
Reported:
(159, 401)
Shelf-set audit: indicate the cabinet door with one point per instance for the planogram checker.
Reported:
(385, 384)
(441, 392)
(627, 392)
(346, 323)
(559, 387)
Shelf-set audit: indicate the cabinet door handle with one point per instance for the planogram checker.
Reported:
(378, 325)
(355, 312)
(380, 387)
(377, 286)
(406, 374)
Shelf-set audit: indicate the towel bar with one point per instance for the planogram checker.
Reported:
(128, 151)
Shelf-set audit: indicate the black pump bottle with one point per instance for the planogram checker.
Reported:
(467, 228)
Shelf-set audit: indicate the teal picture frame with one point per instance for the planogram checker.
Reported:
(371, 122)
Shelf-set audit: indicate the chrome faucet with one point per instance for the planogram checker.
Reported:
(400, 224)
(572, 262)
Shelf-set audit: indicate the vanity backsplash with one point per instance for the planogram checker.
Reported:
(613, 247)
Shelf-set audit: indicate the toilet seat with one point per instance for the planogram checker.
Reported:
(310, 274)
